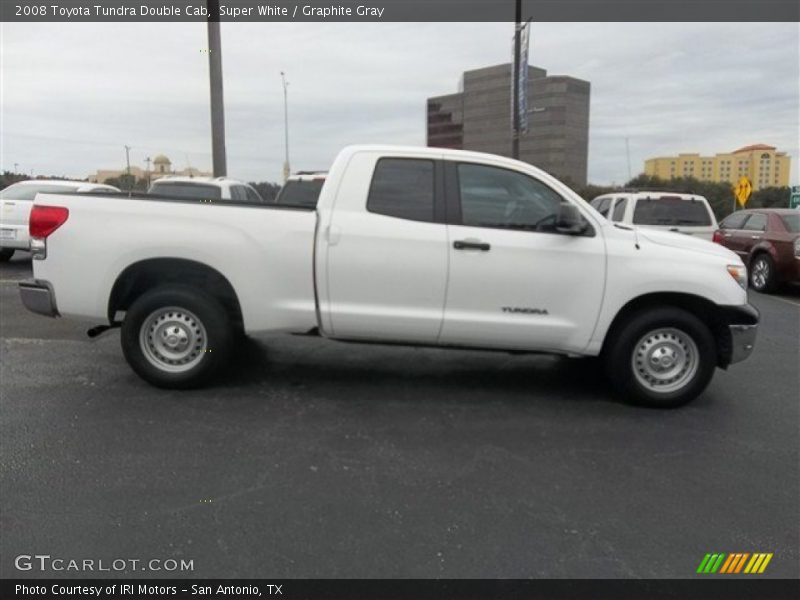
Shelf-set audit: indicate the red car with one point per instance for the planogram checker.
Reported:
(768, 240)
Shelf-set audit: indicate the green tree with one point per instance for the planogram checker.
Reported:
(771, 197)
(127, 183)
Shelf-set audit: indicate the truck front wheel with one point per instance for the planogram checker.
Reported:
(176, 337)
(661, 357)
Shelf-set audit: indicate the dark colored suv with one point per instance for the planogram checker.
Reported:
(768, 240)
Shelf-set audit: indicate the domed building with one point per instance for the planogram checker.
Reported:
(161, 167)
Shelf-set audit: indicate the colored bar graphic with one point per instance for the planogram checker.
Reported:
(741, 562)
(717, 564)
(703, 563)
(727, 563)
(754, 562)
(765, 563)
(734, 563)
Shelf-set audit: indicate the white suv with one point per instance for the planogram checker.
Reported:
(16, 202)
(205, 188)
(670, 211)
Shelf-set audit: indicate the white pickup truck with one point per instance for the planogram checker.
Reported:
(417, 246)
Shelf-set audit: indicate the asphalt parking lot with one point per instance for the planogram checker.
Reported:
(318, 459)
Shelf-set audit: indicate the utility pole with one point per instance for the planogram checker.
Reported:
(128, 168)
(15, 167)
(147, 173)
(286, 168)
(215, 80)
(515, 68)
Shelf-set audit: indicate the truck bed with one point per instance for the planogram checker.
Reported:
(106, 233)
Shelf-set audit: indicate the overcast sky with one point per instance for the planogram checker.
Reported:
(74, 94)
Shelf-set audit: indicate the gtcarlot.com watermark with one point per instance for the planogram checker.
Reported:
(47, 563)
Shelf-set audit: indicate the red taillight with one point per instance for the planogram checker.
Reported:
(46, 219)
(717, 237)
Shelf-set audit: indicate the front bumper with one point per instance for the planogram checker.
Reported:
(742, 325)
(38, 296)
(743, 340)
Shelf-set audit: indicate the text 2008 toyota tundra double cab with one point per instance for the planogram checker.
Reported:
(416, 246)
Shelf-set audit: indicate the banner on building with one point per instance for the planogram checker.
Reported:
(521, 70)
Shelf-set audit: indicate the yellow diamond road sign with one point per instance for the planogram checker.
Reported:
(743, 190)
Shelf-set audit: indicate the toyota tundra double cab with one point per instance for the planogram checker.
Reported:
(416, 246)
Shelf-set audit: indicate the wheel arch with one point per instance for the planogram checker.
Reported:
(144, 275)
(704, 309)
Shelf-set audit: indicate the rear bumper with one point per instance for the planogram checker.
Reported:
(14, 236)
(38, 296)
(742, 325)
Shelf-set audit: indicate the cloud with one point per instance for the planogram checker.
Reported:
(75, 94)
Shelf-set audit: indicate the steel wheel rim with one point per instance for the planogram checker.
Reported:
(173, 339)
(665, 360)
(760, 273)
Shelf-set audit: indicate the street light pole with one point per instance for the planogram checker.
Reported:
(286, 168)
(215, 80)
(128, 167)
(515, 68)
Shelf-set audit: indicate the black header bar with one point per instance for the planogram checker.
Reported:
(401, 10)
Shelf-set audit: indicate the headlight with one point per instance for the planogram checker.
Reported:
(739, 273)
(797, 247)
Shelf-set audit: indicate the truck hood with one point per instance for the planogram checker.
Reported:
(686, 242)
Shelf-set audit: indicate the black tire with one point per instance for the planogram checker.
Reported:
(763, 277)
(6, 254)
(658, 335)
(189, 313)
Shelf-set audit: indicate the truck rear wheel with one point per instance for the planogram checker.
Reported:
(176, 337)
(6, 254)
(661, 357)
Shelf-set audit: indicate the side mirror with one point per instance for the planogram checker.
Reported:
(569, 220)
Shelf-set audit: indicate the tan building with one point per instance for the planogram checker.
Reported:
(161, 166)
(762, 164)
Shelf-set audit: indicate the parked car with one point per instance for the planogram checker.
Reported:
(671, 211)
(302, 189)
(768, 241)
(15, 207)
(205, 188)
(415, 246)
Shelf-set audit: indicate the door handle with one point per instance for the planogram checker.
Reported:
(755, 237)
(465, 245)
(727, 235)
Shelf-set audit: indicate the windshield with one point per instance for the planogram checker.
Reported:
(300, 193)
(181, 189)
(670, 210)
(792, 222)
(19, 191)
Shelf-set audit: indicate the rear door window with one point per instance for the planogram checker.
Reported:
(672, 211)
(756, 222)
(403, 188)
(734, 221)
